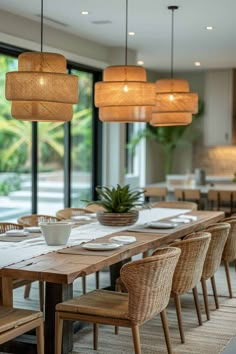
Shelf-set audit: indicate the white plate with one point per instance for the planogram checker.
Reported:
(161, 225)
(16, 233)
(80, 218)
(34, 229)
(101, 246)
(123, 240)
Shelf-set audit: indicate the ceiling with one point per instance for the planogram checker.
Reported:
(151, 21)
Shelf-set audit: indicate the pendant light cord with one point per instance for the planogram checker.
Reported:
(41, 40)
(172, 45)
(126, 34)
(172, 8)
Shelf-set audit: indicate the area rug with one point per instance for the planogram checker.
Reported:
(211, 338)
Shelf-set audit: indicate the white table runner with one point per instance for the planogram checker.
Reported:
(11, 252)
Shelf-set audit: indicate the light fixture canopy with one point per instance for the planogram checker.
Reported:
(124, 95)
(174, 104)
(41, 90)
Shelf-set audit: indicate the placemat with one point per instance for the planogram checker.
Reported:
(82, 251)
(146, 229)
(17, 238)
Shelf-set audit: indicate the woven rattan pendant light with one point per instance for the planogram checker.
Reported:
(41, 90)
(124, 95)
(174, 102)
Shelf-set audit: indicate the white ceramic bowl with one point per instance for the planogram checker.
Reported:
(56, 233)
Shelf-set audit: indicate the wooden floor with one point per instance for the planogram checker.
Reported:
(212, 338)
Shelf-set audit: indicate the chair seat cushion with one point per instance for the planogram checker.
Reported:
(99, 303)
(11, 318)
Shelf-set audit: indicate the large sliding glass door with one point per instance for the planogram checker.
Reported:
(82, 141)
(46, 166)
(15, 154)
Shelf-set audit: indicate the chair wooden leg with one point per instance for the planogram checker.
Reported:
(97, 280)
(84, 285)
(27, 291)
(213, 284)
(196, 302)
(40, 338)
(95, 336)
(58, 333)
(226, 264)
(166, 331)
(235, 264)
(205, 296)
(136, 339)
(179, 317)
(116, 330)
(41, 295)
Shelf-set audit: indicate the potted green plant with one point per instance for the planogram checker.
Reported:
(119, 205)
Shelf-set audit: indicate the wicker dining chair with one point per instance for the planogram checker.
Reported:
(149, 284)
(219, 234)
(188, 273)
(17, 283)
(93, 208)
(34, 220)
(67, 213)
(175, 205)
(229, 253)
(7, 226)
(15, 322)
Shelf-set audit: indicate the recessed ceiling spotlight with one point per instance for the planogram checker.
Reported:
(131, 33)
(197, 63)
(84, 12)
(209, 28)
(140, 62)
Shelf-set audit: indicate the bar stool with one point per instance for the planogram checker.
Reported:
(193, 195)
(159, 193)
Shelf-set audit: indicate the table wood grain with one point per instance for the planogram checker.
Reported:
(60, 270)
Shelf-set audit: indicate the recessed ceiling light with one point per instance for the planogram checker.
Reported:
(197, 63)
(84, 12)
(209, 28)
(131, 33)
(140, 62)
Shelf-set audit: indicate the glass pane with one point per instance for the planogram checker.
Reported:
(81, 144)
(50, 167)
(15, 155)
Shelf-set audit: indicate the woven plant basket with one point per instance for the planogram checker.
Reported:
(117, 219)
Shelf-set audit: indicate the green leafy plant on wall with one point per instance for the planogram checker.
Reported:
(169, 137)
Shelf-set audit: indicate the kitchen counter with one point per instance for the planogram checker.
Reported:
(228, 186)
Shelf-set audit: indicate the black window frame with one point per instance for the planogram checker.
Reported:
(14, 51)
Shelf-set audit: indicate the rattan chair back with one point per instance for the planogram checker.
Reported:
(219, 234)
(229, 252)
(148, 282)
(35, 219)
(188, 270)
(6, 226)
(175, 205)
(93, 208)
(67, 213)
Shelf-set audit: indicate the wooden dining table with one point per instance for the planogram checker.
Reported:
(59, 269)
